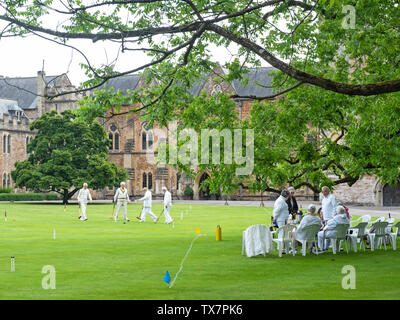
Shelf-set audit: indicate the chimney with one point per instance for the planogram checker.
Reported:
(41, 91)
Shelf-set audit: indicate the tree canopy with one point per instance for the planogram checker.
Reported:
(298, 38)
(337, 79)
(64, 154)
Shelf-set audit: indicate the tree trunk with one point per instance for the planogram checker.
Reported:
(65, 197)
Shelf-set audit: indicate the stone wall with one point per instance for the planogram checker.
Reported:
(366, 191)
(18, 131)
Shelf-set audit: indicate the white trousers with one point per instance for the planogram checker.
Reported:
(147, 210)
(168, 218)
(321, 244)
(121, 203)
(83, 210)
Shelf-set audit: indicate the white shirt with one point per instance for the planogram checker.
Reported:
(332, 223)
(167, 199)
(146, 199)
(121, 194)
(308, 220)
(84, 195)
(329, 205)
(281, 210)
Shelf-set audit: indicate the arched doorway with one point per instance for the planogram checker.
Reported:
(204, 190)
(391, 195)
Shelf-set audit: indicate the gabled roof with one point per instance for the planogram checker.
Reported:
(259, 79)
(23, 90)
(123, 83)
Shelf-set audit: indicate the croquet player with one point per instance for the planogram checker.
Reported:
(122, 199)
(83, 198)
(147, 206)
(167, 205)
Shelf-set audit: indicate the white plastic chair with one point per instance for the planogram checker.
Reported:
(357, 233)
(311, 238)
(260, 240)
(378, 235)
(341, 231)
(364, 218)
(393, 235)
(286, 240)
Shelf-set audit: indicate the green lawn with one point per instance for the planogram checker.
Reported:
(101, 259)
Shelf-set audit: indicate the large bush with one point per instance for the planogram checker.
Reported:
(5, 190)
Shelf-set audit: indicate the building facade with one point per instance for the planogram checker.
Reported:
(22, 100)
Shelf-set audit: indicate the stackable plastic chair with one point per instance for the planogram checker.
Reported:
(341, 232)
(357, 233)
(364, 218)
(393, 235)
(286, 240)
(311, 238)
(378, 236)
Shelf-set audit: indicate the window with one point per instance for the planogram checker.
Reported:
(150, 140)
(9, 143)
(8, 181)
(178, 177)
(144, 141)
(4, 144)
(4, 180)
(116, 141)
(144, 183)
(110, 136)
(150, 179)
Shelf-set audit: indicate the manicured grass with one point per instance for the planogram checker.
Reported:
(101, 259)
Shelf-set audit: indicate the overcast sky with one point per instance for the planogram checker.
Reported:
(24, 57)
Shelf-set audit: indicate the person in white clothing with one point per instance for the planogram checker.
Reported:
(167, 205)
(122, 199)
(280, 213)
(83, 198)
(328, 231)
(310, 219)
(147, 206)
(329, 205)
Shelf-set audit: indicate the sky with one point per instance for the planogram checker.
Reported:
(24, 57)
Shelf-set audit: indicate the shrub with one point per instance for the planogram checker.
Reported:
(51, 196)
(21, 196)
(5, 190)
(188, 191)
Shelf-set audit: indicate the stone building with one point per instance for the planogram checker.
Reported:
(22, 101)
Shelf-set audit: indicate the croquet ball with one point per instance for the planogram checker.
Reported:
(110, 218)
(124, 222)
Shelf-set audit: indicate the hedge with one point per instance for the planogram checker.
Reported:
(5, 190)
(27, 196)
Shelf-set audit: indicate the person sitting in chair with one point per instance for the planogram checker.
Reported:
(310, 219)
(329, 229)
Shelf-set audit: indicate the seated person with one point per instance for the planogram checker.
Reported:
(339, 218)
(310, 219)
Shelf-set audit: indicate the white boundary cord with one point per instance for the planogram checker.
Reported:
(184, 258)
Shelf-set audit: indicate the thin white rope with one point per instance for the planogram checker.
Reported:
(184, 258)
